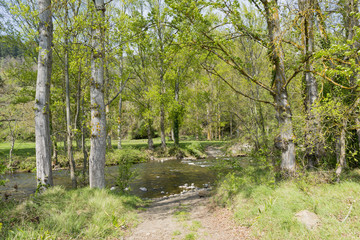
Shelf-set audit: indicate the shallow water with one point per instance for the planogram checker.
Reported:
(159, 178)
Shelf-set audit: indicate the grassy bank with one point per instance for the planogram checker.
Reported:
(268, 208)
(76, 214)
(134, 150)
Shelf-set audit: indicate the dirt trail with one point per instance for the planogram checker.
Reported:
(187, 217)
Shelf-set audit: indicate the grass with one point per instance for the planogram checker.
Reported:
(76, 214)
(269, 208)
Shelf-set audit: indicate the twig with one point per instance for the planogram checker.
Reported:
(351, 207)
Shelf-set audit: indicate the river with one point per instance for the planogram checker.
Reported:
(153, 179)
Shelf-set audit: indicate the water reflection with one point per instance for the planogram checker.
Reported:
(158, 178)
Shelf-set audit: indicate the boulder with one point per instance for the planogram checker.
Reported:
(309, 219)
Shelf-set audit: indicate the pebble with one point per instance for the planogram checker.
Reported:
(143, 189)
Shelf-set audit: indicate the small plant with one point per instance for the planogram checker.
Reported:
(190, 236)
(195, 226)
(125, 174)
(182, 215)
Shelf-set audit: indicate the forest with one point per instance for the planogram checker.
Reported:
(265, 92)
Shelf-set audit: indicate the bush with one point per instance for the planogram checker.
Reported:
(28, 164)
(130, 155)
(196, 150)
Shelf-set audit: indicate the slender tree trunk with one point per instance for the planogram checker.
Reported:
(313, 134)
(77, 114)
(176, 127)
(231, 125)
(197, 127)
(162, 125)
(209, 135)
(162, 87)
(98, 118)
(284, 141)
(119, 121)
(68, 112)
(341, 161)
(13, 138)
(83, 141)
(150, 140)
(55, 150)
(42, 124)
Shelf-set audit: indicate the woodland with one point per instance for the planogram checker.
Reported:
(79, 79)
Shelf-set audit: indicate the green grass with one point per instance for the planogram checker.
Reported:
(269, 209)
(190, 236)
(76, 214)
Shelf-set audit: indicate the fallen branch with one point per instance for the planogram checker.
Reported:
(351, 207)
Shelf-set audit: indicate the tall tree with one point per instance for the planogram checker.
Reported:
(42, 128)
(313, 134)
(98, 118)
(67, 96)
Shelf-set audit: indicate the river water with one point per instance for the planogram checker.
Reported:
(153, 179)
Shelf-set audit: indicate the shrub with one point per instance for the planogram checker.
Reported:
(130, 155)
(196, 150)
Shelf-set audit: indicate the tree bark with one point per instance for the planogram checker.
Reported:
(119, 122)
(83, 141)
(176, 127)
(313, 134)
(98, 118)
(149, 133)
(284, 141)
(13, 138)
(42, 125)
(77, 123)
(55, 150)
(68, 112)
(341, 161)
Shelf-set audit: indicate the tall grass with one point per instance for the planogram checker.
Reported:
(269, 209)
(76, 214)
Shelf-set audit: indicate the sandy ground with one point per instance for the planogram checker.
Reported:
(186, 217)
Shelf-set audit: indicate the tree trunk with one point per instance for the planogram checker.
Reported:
(13, 137)
(341, 161)
(162, 87)
(162, 126)
(176, 127)
(77, 123)
(313, 134)
(42, 125)
(55, 150)
(351, 23)
(284, 141)
(209, 135)
(98, 118)
(83, 141)
(68, 112)
(119, 122)
(150, 140)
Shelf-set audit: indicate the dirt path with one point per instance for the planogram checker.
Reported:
(187, 217)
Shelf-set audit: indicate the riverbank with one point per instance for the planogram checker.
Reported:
(249, 203)
(135, 151)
